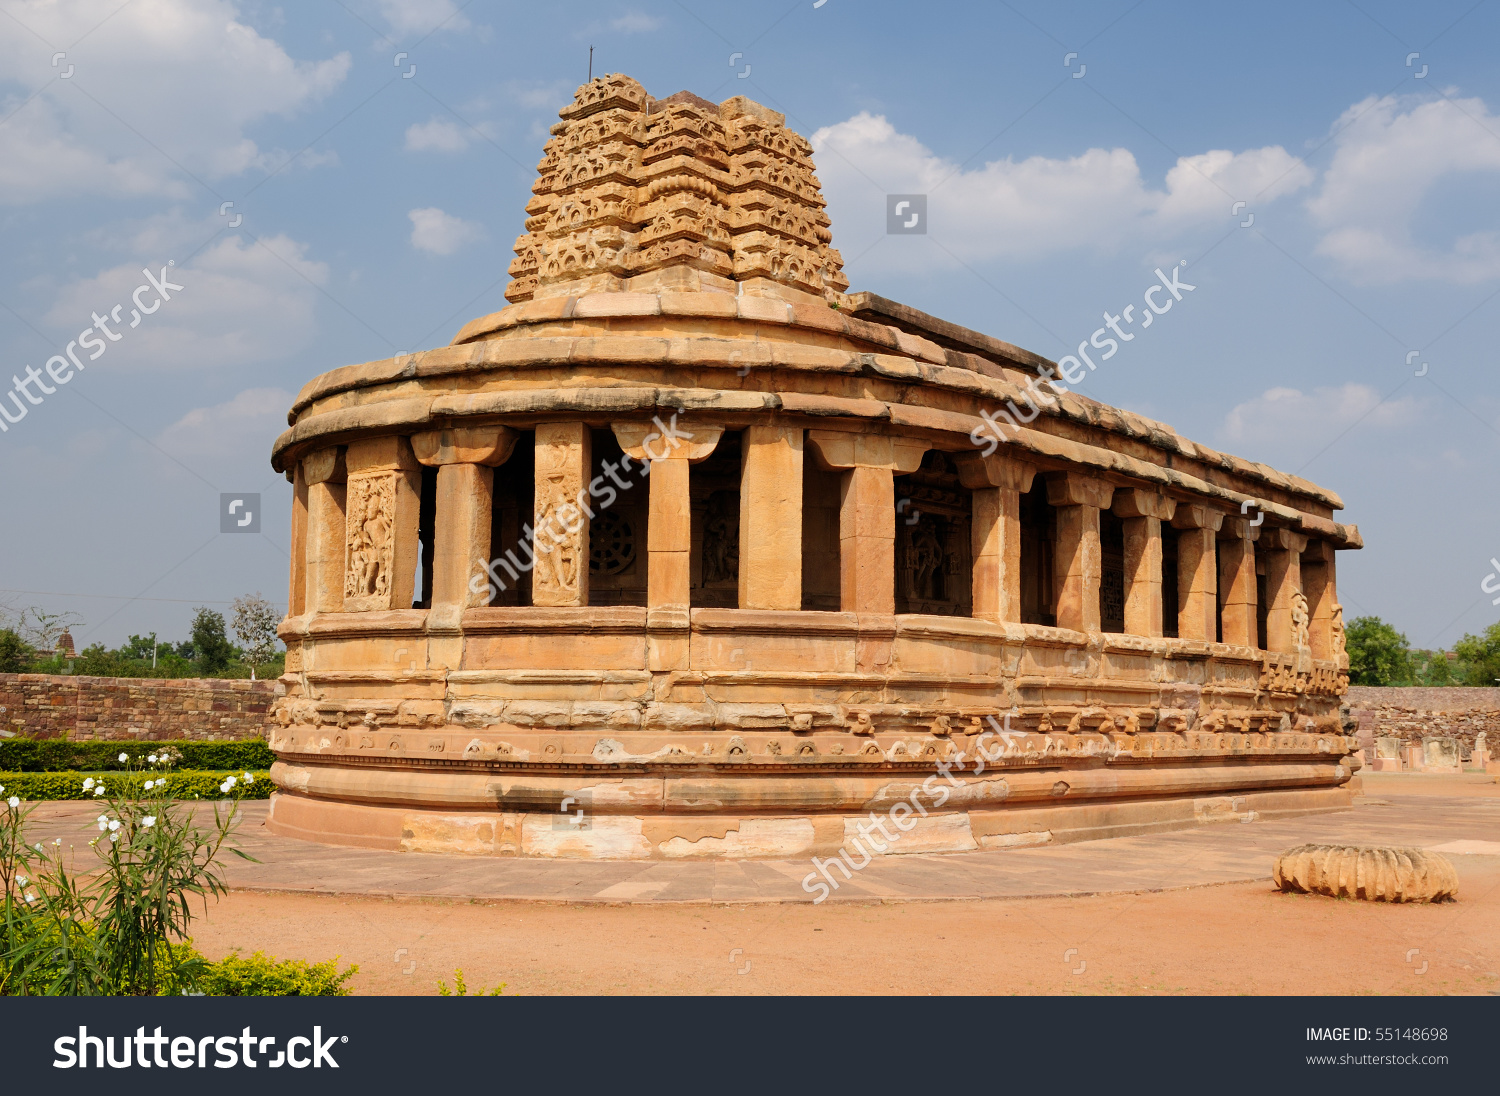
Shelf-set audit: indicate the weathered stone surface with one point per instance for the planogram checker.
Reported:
(53, 706)
(843, 574)
(1373, 874)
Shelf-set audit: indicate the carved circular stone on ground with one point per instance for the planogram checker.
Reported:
(1379, 874)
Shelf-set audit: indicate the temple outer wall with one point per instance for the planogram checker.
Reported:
(125, 708)
(1413, 713)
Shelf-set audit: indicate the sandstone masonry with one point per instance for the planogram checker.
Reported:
(52, 706)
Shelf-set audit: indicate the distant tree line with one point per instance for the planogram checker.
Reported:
(29, 644)
(1380, 655)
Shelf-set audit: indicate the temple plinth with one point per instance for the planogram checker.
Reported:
(689, 552)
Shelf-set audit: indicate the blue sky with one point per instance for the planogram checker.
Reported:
(375, 206)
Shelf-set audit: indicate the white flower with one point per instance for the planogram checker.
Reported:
(21, 880)
(2, 787)
(150, 784)
(123, 757)
(14, 802)
(99, 790)
(114, 823)
(31, 898)
(103, 823)
(224, 788)
(249, 779)
(231, 781)
(89, 783)
(149, 821)
(114, 837)
(38, 846)
(152, 759)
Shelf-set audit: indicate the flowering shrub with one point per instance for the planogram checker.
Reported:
(109, 930)
(181, 785)
(36, 755)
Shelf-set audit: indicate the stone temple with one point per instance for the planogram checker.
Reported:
(690, 552)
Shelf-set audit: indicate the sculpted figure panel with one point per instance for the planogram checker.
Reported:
(371, 538)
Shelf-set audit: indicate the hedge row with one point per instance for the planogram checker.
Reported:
(50, 755)
(184, 784)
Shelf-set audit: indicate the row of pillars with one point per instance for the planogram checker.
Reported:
(355, 530)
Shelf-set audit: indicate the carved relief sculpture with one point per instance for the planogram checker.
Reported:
(831, 588)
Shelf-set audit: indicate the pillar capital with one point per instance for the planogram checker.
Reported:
(654, 441)
(1139, 502)
(324, 466)
(1317, 551)
(841, 450)
(388, 454)
(486, 445)
(1236, 527)
(1192, 515)
(977, 472)
(1077, 489)
(1283, 539)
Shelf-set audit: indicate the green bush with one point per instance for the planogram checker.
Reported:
(46, 755)
(259, 976)
(1378, 654)
(181, 784)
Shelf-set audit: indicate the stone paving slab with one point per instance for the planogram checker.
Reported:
(1209, 854)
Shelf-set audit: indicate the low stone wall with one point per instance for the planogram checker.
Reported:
(1414, 713)
(52, 706)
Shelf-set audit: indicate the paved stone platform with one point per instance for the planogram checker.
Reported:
(1207, 855)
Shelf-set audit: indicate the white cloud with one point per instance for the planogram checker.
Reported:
(186, 75)
(243, 426)
(443, 135)
(241, 302)
(421, 16)
(1036, 206)
(441, 233)
(1289, 415)
(634, 22)
(1390, 152)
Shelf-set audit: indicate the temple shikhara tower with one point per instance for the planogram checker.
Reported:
(690, 552)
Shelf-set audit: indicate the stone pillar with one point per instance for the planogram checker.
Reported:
(324, 472)
(466, 459)
(771, 518)
(1197, 573)
(997, 483)
(1320, 587)
(1142, 511)
(867, 512)
(1238, 607)
(1077, 565)
(564, 459)
(296, 602)
(1283, 582)
(669, 528)
(383, 497)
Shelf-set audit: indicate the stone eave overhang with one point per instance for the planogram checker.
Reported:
(594, 331)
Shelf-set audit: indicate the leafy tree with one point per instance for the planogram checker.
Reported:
(140, 647)
(1378, 654)
(15, 653)
(1480, 656)
(211, 646)
(1435, 670)
(96, 660)
(255, 621)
